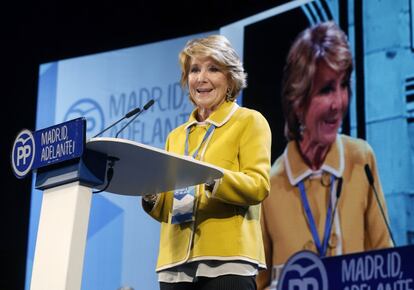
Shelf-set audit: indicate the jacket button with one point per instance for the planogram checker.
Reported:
(333, 241)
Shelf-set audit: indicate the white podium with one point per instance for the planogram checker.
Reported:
(143, 169)
(138, 169)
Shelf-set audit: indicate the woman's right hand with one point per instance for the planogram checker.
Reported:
(150, 198)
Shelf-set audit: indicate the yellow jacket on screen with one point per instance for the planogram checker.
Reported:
(227, 220)
(358, 224)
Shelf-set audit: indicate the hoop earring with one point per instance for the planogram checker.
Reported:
(301, 129)
(228, 95)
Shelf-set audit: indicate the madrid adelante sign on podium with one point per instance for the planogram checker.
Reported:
(55, 144)
(386, 269)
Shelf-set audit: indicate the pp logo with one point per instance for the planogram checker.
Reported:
(303, 271)
(92, 111)
(23, 153)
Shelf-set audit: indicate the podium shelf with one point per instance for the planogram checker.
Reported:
(141, 169)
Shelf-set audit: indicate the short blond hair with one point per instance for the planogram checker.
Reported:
(220, 50)
(322, 42)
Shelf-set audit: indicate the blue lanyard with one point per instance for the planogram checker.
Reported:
(208, 133)
(322, 248)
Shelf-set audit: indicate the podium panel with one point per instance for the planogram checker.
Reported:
(61, 237)
(386, 269)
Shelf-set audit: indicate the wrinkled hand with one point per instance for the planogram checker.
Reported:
(150, 198)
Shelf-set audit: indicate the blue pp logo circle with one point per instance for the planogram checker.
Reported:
(23, 153)
(91, 111)
(304, 270)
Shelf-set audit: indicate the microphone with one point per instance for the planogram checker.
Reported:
(132, 113)
(149, 104)
(146, 107)
(127, 115)
(338, 194)
(371, 183)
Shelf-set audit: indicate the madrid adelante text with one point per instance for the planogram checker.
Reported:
(360, 273)
(172, 108)
(55, 144)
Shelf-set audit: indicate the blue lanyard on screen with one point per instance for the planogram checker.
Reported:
(208, 133)
(322, 248)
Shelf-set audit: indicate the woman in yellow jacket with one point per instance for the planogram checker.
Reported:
(318, 163)
(211, 238)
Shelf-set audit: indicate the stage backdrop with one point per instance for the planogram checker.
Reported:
(122, 243)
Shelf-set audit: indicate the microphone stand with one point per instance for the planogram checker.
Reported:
(135, 112)
(371, 183)
(127, 115)
(146, 107)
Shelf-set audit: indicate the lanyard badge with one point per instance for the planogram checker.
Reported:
(321, 246)
(183, 203)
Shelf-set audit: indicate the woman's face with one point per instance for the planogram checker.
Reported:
(328, 103)
(207, 83)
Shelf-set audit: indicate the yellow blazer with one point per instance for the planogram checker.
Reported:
(358, 225)
(227, 220)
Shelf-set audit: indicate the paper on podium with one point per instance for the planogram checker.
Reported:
(143, 169)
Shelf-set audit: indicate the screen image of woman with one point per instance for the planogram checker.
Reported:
(318, 163)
